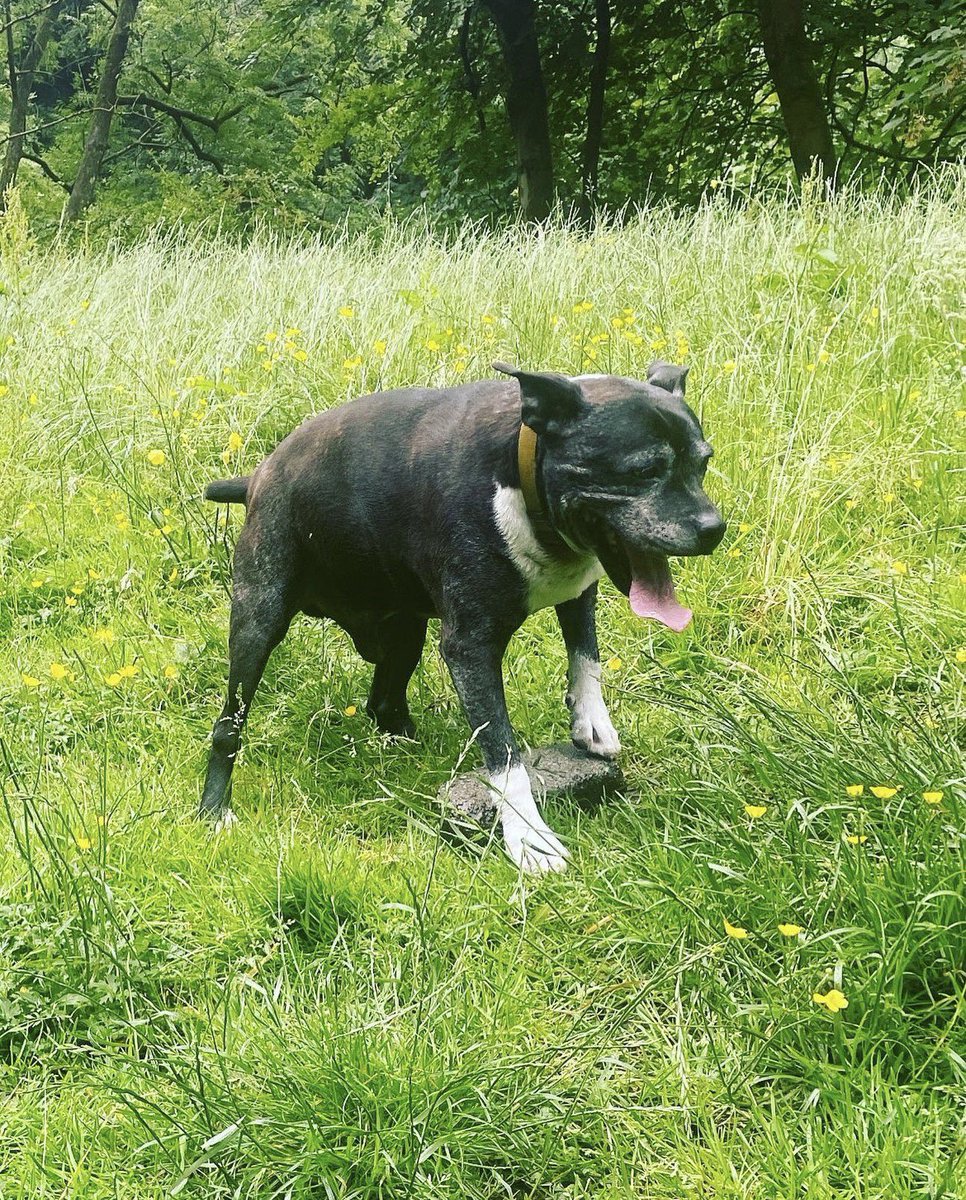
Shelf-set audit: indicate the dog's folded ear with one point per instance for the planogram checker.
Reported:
(667, 376)
(548, 400)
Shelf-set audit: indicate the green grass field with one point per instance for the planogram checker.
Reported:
(333, 999)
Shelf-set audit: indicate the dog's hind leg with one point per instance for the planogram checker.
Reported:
(260, 617)
(402, 636)
(591, 728)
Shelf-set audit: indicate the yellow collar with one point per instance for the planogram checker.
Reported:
(527, 463)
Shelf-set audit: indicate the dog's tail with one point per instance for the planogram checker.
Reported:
(229, 491)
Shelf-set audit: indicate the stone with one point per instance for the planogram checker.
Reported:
(556, 771)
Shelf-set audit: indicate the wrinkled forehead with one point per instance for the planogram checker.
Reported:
(637, 413)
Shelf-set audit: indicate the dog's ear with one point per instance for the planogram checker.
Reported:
(667, 376)
(549, 400)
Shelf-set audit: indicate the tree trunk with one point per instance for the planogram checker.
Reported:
(82, 193)
(21, 85)
(792, 69)
(590, 158)
(526, 104)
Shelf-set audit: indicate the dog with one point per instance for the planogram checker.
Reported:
(478, 505)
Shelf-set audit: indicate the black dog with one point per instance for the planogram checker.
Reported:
(476, 504)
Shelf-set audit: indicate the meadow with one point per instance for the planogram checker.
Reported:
(751, 981)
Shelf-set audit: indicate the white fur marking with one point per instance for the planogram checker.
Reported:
(548, 581)
(590, 725)
(530, 842)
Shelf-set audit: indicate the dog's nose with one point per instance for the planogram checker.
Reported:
(711, 529)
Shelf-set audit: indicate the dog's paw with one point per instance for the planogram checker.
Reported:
(225, 822)
(535, 849)
(595, 734)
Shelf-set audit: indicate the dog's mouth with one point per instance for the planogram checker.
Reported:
(644, 576)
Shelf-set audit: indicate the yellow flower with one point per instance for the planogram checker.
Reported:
(104, 636)
(961, 656)
(915, 394)
(92, 574)
(30, 681)
(113, 679)
(729, 365)
(809, 366)
(932, 797)
(789, 930)
(293, 331)
(379, 346)
(156, 457)
(347, 311)
(173, 574)
(833, 1000)
(234, 441)
(129, 671)
(70, 601)
(271, 336)
(734, 931)
(850, 504)
(583, 306)
(917, 484)
(300, 355)
(856, 839)
(83, 843)
(756, 810)
(899, 568)
(350, 711)
(267, 364)
(734, 552)
(883, 793)
(36, 583)
(350, 364)
(744, 527)
(59, 671)
(854, 789)
(614, 664)
(170, 671)
(823, 356)
(889, 497)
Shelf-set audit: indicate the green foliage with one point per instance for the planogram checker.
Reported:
(335, 999)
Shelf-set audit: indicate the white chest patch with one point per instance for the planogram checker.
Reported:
(548, 581)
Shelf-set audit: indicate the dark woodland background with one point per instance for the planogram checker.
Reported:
(130, 114)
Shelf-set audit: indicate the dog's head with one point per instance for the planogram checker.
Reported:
(622, 462)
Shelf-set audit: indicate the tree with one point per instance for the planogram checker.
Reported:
(789, 56)
(526, 104)
(590, 158)
(21, 79)
(99, 131)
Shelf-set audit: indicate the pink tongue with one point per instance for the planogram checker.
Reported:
(652, 592)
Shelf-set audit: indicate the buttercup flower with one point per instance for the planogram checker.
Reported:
(83, 843)
(854, 789)
(347, 311)
(833, 1000)
(30, 681)
(614, 664)
(756, 810)
(170, 671)
(932, 797)
(899, 568)
(856, 839)
(790, 930)
(59, 671)
(156, 457)
(350, 711)
(883, 793)
(734, 931)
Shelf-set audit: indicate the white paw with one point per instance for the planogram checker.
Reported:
(595, 734)
(535, 849)
(225, 821)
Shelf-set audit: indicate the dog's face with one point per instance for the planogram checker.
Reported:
(623, 465)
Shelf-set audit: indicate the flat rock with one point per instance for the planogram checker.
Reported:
(555, 771)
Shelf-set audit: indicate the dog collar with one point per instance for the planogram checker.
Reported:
(548, 537)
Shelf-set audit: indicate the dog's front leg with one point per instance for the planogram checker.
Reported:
(591, 728)
(475, 660)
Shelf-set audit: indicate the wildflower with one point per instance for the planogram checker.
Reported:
(899, 567)
(883, 793)
(487, 319)
(36, 583)
(809, 367)
(350, 711)
(917, 484)
(30, 681)
(833, 1000)
(70, 601)
(156, 457)
(83, 843)
(432, 345)
(350, 364)
(583, 306)
(173, 575)
(267, 364)
(854, 789)
(790, 930)
(170, 671)
(300, 355)
(734, 931)
(823, 356)
(271, 336)
(961, 656)
(756, 810)
(932, 797)
(729, 366)
(104, 636)
(234, 441)
(347, 311)
(850, 504)
(59, 671)
(129, 671)
(856, 839)
(113, 679)
(744, 527)
(379, 346)
(293, 331)
(915, 394)
(889, 497)
(734, 552)
(614, 664)
(92, 574)
(714, 184)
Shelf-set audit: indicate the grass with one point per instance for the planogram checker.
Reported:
(333, 999)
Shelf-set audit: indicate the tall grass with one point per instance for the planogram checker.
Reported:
(338, 1000)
